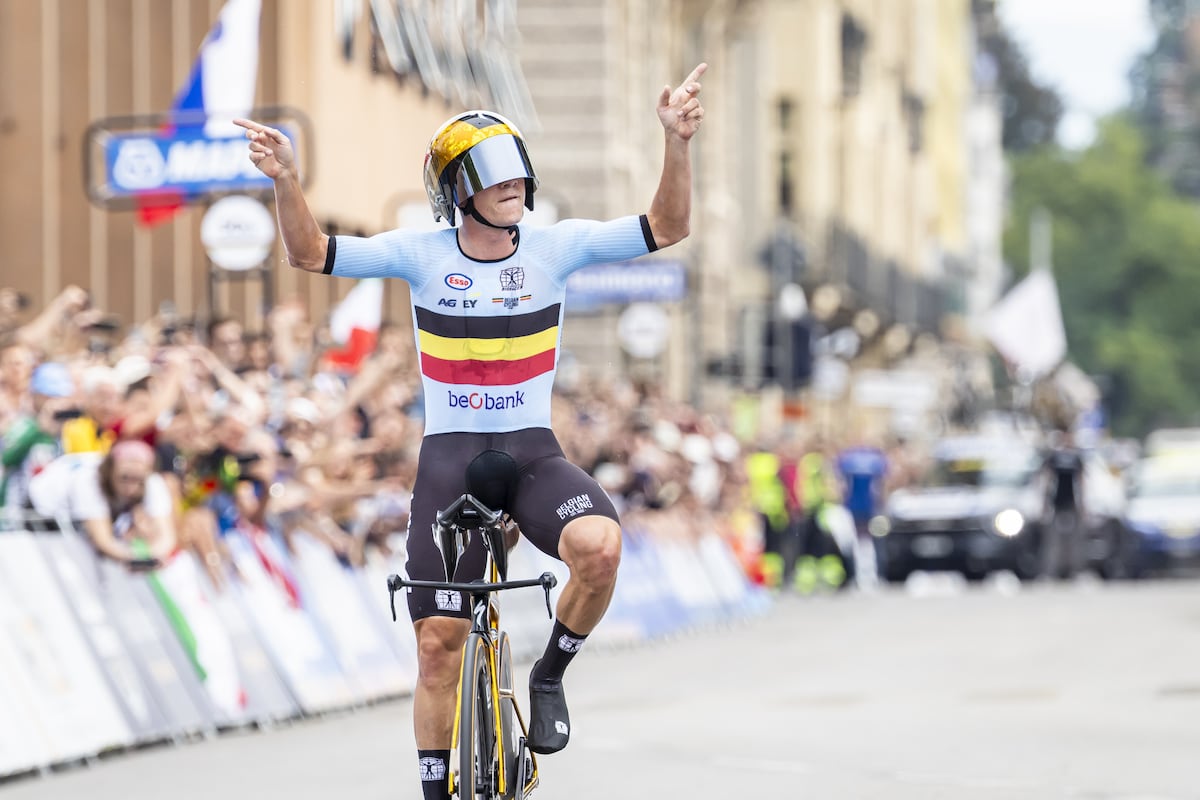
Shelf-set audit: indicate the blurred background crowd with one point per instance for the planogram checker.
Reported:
(269, 429)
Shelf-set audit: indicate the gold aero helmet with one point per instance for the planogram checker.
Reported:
(471, 152)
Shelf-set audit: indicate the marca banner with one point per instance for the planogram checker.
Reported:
(48, 661)
(185, 161)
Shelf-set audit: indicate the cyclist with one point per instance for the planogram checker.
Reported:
(487, 300)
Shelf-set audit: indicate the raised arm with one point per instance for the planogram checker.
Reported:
(272, 153)
(680, 113)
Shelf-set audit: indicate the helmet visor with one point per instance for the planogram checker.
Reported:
(494, 160)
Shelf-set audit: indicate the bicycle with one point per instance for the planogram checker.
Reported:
(493, 767)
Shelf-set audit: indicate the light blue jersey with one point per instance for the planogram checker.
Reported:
(488, 332)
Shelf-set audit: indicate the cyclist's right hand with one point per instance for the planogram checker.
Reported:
(270, 150)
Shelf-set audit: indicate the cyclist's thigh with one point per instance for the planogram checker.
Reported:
(551, 492)
(440, 481)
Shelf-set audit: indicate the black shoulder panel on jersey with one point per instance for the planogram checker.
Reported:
(651, 245)
(330, 254)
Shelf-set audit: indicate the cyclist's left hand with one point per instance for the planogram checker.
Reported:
(680, 111)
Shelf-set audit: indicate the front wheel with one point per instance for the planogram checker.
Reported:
(510, 733)
(476, 732)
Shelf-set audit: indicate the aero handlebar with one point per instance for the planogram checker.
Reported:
(547, 581)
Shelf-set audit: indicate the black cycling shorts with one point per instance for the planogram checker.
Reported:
(550, 492)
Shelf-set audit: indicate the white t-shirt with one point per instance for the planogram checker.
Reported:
(71, 485)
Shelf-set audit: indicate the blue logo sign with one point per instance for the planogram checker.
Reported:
(456, 280)
(627, 282)
(184, 161)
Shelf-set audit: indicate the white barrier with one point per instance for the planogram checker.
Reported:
(93, 657)
(54, 679)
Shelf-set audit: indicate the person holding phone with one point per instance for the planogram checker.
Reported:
(118, 499)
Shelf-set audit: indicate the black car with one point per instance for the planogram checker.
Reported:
(978, 509)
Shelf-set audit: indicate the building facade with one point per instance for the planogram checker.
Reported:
(846, 151)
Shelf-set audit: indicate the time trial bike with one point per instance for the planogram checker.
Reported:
(489, 756)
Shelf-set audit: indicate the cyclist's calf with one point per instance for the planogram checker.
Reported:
(439, 651)
(591, 548)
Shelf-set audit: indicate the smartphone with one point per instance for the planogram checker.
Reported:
(144, 564)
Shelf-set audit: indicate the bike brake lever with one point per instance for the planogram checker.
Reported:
(392, 594)
(548, 583)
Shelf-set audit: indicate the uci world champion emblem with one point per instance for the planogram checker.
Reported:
(512, 279)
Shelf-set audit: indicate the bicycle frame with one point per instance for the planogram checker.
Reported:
(450, 533)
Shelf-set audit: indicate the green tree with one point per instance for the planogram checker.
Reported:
(1031, 111)
(1127, 264)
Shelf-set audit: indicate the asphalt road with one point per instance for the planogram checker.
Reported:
(936, 691)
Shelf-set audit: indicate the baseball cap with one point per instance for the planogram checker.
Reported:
(132, 369)
(52, 380)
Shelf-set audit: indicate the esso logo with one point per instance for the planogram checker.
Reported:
(458, 281)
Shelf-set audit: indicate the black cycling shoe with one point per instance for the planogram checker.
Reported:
(549, 723)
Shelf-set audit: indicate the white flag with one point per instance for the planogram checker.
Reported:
(1026, 326)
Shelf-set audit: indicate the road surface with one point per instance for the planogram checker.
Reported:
(1083, 690)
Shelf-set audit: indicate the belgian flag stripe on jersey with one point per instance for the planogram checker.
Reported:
(451, 349)
(499, 327)
(473, 372)
(487, 351)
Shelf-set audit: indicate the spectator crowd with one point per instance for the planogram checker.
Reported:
(167, 435)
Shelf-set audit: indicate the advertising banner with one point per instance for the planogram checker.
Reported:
(72, 563)
(49, 663)
(729, 582)
(268, 594)
(330, 594)
(171, 676)
(372, 585)
(688, 580)
(641, 281)
(646, 596)
(178, 596)
(268, 699)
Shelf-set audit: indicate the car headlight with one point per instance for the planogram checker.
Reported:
(1009, 522)
(879, 526)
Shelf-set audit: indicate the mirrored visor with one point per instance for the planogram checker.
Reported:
(492, 161)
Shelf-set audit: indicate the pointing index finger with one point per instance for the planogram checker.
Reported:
(696, 73)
